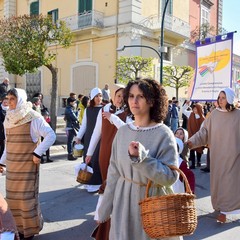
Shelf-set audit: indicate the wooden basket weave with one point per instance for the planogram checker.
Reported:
(169, 215)
(84, 176)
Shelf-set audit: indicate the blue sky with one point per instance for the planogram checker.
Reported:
(231, 12)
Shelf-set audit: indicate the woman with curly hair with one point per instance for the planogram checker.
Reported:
(141, 150)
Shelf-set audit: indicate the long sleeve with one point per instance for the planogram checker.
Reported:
(185, 111)
(83, 127)
(200, 138)
(96, 135)
(39, 128)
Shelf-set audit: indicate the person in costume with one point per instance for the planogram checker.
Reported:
(195, 120)
(84, 136)
(221, 131)
(109, 120)
(23, 128)
(141, 150)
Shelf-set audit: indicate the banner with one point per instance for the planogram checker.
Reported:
(213, 67)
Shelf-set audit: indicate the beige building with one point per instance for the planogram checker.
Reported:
(99, 28)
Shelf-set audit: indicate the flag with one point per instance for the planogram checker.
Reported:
(213, 67)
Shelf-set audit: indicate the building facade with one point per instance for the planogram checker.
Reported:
(99, 28)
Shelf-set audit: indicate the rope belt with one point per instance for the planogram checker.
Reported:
(130, 180)
(140, 184)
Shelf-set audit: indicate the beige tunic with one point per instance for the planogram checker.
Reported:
(22, 180)
(221, 131)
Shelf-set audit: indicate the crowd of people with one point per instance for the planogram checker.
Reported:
(131, 134)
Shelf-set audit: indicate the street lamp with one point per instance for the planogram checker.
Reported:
(162, 41)
(140, 46)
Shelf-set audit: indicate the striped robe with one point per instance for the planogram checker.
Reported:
(22, 180)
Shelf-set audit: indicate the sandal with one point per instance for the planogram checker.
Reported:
(221, 218)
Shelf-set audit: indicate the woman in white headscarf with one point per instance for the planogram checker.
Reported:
(23, 128)
(221, 131)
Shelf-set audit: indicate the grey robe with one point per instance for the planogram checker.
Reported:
(123, 191)
(221, 131)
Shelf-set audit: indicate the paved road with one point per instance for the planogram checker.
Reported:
(68, 209)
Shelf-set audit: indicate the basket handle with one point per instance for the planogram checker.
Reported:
(172, 167)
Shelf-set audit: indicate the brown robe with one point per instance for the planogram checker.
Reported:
(221, 131)
(108, 133)
(22, 180)
(195, 124)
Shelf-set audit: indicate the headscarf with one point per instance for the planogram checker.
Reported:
(23, 112)
(229, 95)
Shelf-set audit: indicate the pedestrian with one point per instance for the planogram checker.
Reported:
(22, 154)
(3, 109)
(195, 120)
(141, 150)
(174, 116)
(167, 121)
(105, 131)
(179, 186)
(106, 94)
(72, 126)
(47, 118)
(36, 102)
(4, 87)
(8, 229)
(221, 131)
(84, 136)
(82, 106)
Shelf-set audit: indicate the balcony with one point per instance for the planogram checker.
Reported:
(171, 23)
(88, 19)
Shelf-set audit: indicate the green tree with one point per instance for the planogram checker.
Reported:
(177, 77)
(25, 44)
(129, 68)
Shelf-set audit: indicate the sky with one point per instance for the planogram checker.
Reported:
(230, 22)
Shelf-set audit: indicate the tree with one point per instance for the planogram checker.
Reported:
(129, 68)
(177, 77)
(25, 44)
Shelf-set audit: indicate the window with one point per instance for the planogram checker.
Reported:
(34, 8)
(205, 13)
(169, 9)
(54, 15)
(84, 6)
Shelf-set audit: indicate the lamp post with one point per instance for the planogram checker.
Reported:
(140, 46)
(162, 41)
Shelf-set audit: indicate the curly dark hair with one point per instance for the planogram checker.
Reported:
(154, 93)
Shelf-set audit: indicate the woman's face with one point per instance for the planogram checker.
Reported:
(195, 110)
(5, 102)
(12, 101)
(179, 134)
(118, 99)
(222, 100)
(98, 99)
(138, 103)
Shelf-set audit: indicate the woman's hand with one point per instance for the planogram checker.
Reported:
(106, 115)
(190, 145)
(36, 160)
(133, 149)
(88, 159)
(77, 140)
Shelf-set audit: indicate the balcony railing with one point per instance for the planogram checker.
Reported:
(171, 23)
(84, 20)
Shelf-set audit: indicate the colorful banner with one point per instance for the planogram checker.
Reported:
(213, 67)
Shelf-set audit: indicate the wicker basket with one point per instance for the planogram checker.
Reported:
(84, 176)
(169, 215)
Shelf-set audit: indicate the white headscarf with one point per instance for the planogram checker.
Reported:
(23, 112)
